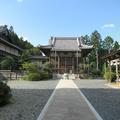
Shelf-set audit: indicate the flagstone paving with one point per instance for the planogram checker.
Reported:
(67, 104)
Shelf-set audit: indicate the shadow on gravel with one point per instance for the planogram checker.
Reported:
(26, 104)
(105, 101)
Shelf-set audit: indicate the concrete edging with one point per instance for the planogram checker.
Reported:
(89, 104)
(110, 86)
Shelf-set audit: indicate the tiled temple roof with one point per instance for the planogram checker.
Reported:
(67, 44)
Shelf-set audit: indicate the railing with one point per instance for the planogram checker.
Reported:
(9, 75)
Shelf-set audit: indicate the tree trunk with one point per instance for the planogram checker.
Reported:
(97, 61)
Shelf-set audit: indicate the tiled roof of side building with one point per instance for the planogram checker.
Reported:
(38, 57)
(112, 55)
(10, 44)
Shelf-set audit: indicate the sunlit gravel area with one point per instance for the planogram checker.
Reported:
(28, 99)
(104, 99)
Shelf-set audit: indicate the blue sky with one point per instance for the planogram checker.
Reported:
(38, 20)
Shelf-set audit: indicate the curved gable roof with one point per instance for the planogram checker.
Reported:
(66, 44)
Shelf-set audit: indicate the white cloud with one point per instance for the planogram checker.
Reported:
(24, 38)
(108, 26)
(2, 24)
(19, 0)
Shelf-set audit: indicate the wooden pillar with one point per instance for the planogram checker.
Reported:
(65, 64)
(58, 64)
(73, 65)
(117, 75)
(49, 60)
(55, 61)
(84, 59)
(110, 69)
(77, 62)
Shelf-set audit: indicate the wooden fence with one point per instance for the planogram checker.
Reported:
(10, 75)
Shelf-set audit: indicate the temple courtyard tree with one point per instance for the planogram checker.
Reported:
(108, 42)
(7, 62)
(116, 46)
(96, 40)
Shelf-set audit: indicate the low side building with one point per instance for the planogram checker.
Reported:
(113, 59)
(40, 60)
(7, 48)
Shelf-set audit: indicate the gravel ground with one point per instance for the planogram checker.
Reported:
(91, 83)
(105, 100)
(28, 99)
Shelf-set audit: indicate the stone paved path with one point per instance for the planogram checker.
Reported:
(67, 103)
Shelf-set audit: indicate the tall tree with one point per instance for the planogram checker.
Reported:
(11, 29)
(86, 40)
(96, 40)
(24, 44)
(116, 45)
(108, 42)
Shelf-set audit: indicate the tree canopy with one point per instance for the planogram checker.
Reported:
(24, 44)
(9, 35)
(101, 48)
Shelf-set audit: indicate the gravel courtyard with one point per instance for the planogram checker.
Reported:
(105, 100)
(28, 99)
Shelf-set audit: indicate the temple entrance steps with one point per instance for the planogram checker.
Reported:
(66, 76)
(72, 76)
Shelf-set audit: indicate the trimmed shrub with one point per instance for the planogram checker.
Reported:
(38, 76)
(7, 62)
(110, 76)
(96, 73)
(2, 77)
(34, 76)
(36, 73)
(5, 93)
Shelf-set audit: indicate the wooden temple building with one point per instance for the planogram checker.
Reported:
(66, 53)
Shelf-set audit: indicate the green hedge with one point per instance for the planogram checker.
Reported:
(36, 73)
(35, 76)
